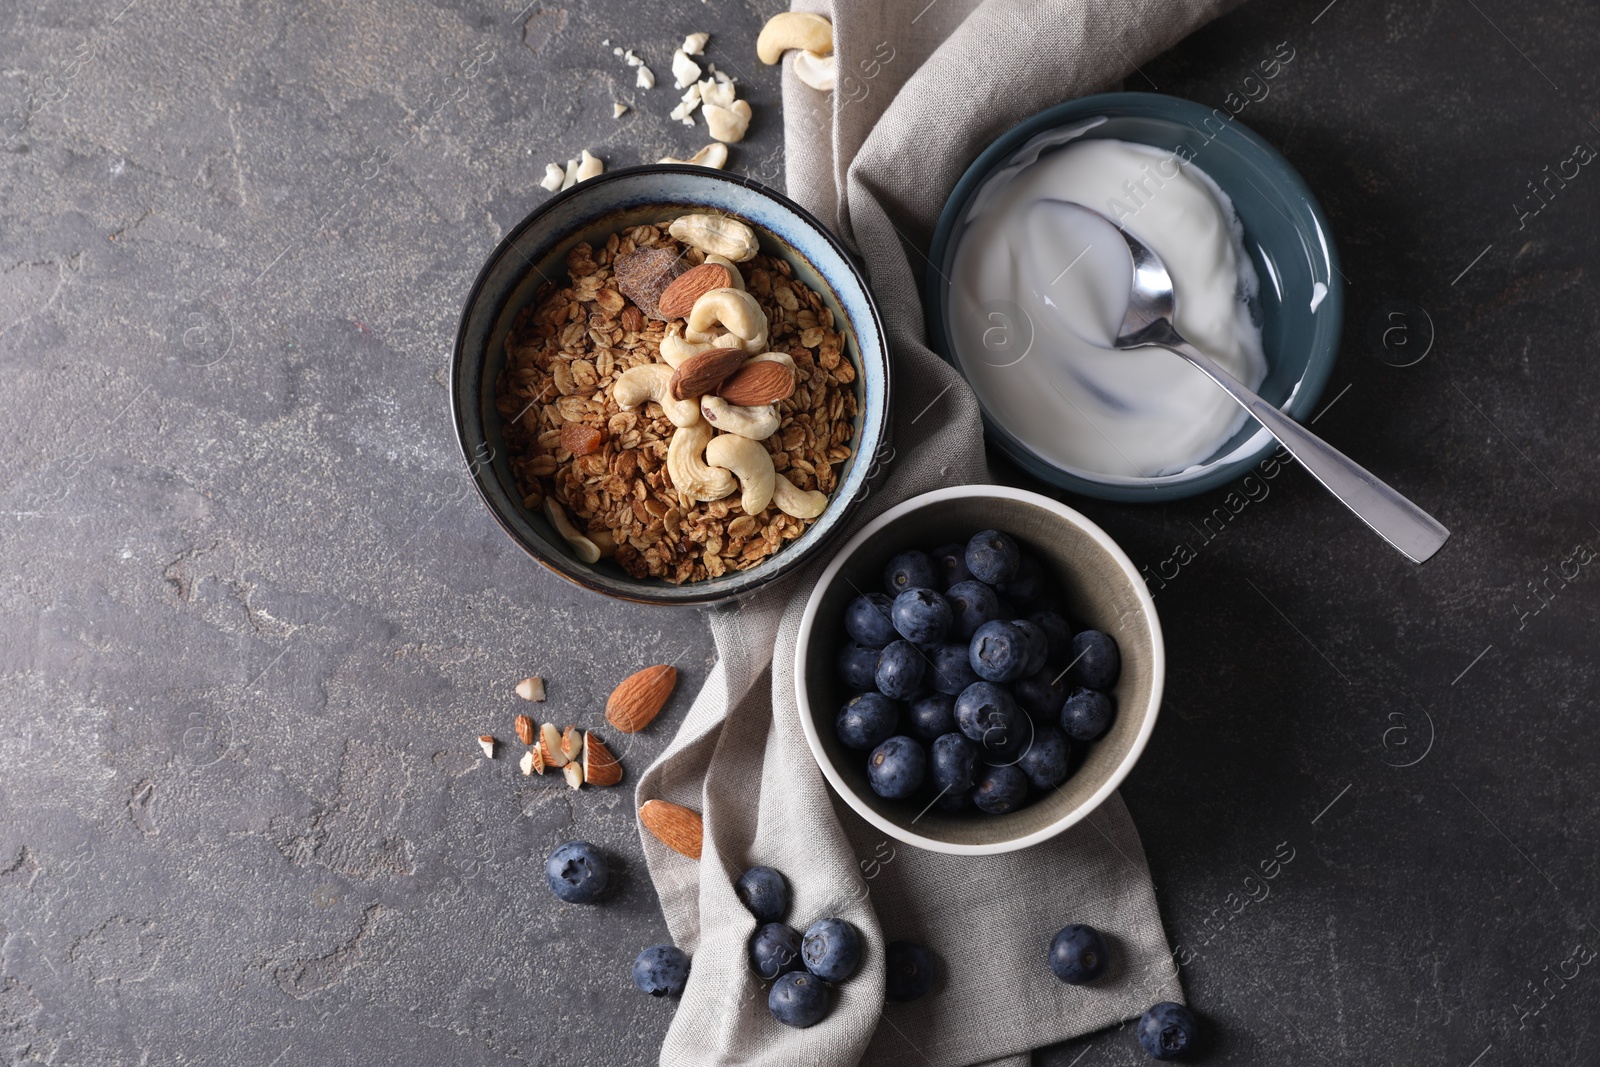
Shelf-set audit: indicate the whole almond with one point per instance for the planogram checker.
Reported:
(600, 767)
(754, 384)
(675, 826)
(527, 733)
(678, 298)
(701, 373)
(640, 698)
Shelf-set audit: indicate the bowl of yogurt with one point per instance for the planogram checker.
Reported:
(1024, 294)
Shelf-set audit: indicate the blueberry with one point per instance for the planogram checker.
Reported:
(1041, 695)
(909, 971)
(798, 1000)
(952, 671)
(897, 767)
(1034, 643)
(1168, 1031)
(998, 652)
(831, 949)
(998, 790)
(950, 566)
(933, 715)
(866, 720)
(775, 950)
(661, 971)
(1096, 659)
(987, 714)
(971, 604)
(577, 872)
(1045, 760)
(1086, 714)
(1078, 954)
(857, 666)
(900, 670)
(993, 557)
(1027, 587)
(922, 616)
(1058, 631)
(909, 570)
(1006, 610)
(952, 763)
(765, 892)
(867, 620)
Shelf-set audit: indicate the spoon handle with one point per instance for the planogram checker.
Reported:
(1397, 520)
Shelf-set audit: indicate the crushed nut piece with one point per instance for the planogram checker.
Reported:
(531, 689)
(618, 109)
(553, 177)
(695, 43)
(487, 743)
(685, 71)
(645, 79)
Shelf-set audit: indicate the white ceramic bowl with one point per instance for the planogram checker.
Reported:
(1101, 590)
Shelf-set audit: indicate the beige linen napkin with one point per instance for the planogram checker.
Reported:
(924, 86)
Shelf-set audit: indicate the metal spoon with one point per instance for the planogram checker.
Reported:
(1148, 321)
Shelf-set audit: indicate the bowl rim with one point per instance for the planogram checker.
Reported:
(1319, 367)
(1158, 671)
(785, 566)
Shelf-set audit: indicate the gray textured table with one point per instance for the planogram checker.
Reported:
(253, 620)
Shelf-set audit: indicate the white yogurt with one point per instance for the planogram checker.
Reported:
(1038, 288)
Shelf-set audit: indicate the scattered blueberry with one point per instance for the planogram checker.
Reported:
(1041, 695)
(765, 892)
(858, 666)
(897, 767)
(987, 714)
(998, 652)
(775, 950)
(900, 669)
(1058, 631)
(952, 671)
(866, 721)
(1086, 714)
(909, 570)
(998, 790)
(993, 557)
(922, 616)
(933, 715)
(577, 872)
(909, 971)
(831, 949)
(1168, 1031)
(1034, 643)
(950, 566)
(798, 999)
(1026, 588)
(1096, 659)
(867, 620)
(1045, 760)
(971, 604)
(1078, 954)
(661, 971)
(952, 764)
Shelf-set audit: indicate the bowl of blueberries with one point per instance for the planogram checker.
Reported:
(978, 668)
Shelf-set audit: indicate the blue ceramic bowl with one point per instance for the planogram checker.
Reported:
(1301, 301)
(536, 250)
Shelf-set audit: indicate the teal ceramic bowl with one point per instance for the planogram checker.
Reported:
(535, 251)
(1300, 306)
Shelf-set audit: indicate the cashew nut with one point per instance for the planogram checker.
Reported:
(687, 468)
(735, 279)
(794, 29)
(791, 500)
(714, 155)
(716, 234)
(589, 166)
(651, 381)
(752, 464)
(585, 549)
(757, 424)
(728, 124)
(819, 72)
(736, 311)
(674, 349)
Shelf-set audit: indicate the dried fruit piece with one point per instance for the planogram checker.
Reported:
(572, 743)
(550, 746)
(600, 767)
(677, 299)
(679, 828)
(757, 383)
(642, 275)
(574, 773)
(531, 689)
(640, 698)
(702, 372)
(487, 742)
(580, 438)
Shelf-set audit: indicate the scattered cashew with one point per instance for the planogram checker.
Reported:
(687, 468)
(794, 29)
(674, 349)
(819, 72)
(728, 124)
(733, 309)
(604, 543)
(758, 423)
(651, 381)
(589, 166)
(585, 549)
(554, 175)
(714, 155)
(752, 464)
(735, 279)
(792, 500)
(716, 234)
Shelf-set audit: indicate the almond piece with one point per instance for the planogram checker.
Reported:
(640, 698)
(600, 767)
(531, 689)
(572, 744)
(550, 746)
(674, 825)
(574, 773)
(530, 760)
(678, 298)
(758, 383)
(701, 373)
(527, 733)
(486, 742)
